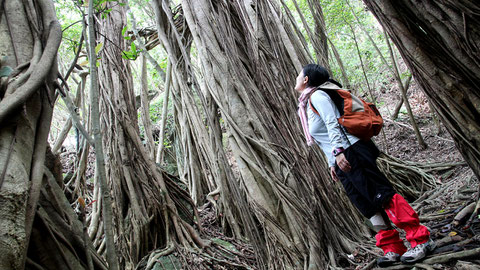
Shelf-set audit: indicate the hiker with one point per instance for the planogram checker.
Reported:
(353, 161)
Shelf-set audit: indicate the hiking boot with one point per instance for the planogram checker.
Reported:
(388, 259)
(418, 252)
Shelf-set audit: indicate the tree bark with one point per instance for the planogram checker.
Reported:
(439, 41)
(25, 111)
(264, 133)
(68, 125)
(145, 112)
(145, 198)
(112, 257)
(198, 146)
(36, 216)
(166, 96)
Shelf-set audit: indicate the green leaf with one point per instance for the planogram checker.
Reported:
(124, 31)
(133, 48)
(132, 54)
(127, 55)
(5, 71)
(98, 47)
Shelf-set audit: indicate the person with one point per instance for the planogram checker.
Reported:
(353, 162)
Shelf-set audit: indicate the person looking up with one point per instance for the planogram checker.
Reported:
(353, 161)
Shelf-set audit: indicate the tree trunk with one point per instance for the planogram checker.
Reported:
(319, 38)
(145, 199)
(111, 253)
(145, 112)
(286, 185)
(166, 96)
(439, 41)
(36, 216)
(24, 129)
(198, 145)
(57, 240)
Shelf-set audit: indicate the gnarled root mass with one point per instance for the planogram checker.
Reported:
(219, 252)
(56, 241)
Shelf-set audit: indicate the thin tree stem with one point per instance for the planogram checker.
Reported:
(100, 160)
(145, 112)
(159, 156)
(400, 103)
(405, 98)
(361, 62)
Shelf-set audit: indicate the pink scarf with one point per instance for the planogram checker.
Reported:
(302, 113)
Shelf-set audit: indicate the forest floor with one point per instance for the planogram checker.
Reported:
(458, 239)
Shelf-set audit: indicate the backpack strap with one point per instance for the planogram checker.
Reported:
(311, 105)
(334, 96)
(342, 130)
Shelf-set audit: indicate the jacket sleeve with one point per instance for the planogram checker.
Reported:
(328, 112)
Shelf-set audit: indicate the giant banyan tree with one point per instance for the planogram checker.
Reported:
(248, 57)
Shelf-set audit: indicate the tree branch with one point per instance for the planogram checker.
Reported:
(76, 119)
(141, 45)
(77, 55)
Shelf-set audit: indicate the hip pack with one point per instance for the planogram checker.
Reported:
(360, 118)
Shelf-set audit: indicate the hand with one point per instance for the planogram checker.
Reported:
(343, 163)
(333, 174)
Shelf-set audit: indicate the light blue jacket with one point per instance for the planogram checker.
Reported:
(325, 128)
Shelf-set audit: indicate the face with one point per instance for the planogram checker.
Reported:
(301, 82)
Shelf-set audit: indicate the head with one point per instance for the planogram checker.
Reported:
(312, 75)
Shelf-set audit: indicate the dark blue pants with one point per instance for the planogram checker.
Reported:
(367, 188)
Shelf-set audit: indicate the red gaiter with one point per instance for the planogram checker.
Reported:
(404, 217)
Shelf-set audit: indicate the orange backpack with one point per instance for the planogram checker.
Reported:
(360, 118)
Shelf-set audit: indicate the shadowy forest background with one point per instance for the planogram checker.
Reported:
(163, 134)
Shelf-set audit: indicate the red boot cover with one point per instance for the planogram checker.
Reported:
(389, 241)
(405, 218)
